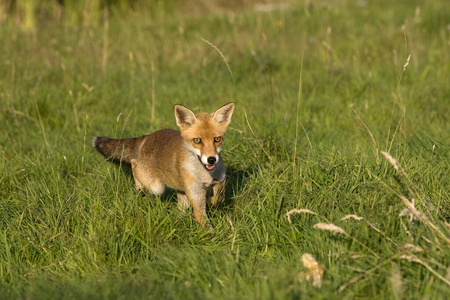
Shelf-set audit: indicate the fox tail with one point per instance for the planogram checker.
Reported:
(119, 151)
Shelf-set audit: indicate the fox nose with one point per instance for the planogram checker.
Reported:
(211, 160)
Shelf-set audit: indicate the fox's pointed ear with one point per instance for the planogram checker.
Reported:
(184, 116)
(223, 114)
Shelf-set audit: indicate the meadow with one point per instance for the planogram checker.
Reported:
(338, 147)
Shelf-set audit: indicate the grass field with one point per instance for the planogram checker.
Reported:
(342, 110)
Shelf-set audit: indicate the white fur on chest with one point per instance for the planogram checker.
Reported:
(207, 178)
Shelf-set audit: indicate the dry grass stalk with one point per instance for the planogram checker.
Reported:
(412, 209)
(406, 229)
(374, 142)
(152, 118)
(407, 213)
(234, 232)
(221, 55)
(397, 167)
(105, 40)
(422, 217)
(352, 217)
(391, 160)
(337, 229)
(407, 62)
(397, 281)
(298, 211)
(298, 110)
(257, 140)
(409, 258)
(432, 151)
(315, 271)
(355, 217)
(355, 279)
(414, 258)
(330, 227)
(410, 204)
(411, 248)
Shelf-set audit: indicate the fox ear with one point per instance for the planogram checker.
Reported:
(223, 114)
(184, 116)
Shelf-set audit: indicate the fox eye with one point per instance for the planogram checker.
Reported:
(197, 140)
(217, 139)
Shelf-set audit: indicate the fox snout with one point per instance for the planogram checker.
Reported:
(211, 163)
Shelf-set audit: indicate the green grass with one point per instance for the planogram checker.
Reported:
(72, 225)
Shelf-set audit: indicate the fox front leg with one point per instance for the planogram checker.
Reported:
(197, 198)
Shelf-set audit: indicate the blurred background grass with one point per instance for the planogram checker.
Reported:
(31, 14)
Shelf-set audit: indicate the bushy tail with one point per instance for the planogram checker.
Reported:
(115, 150)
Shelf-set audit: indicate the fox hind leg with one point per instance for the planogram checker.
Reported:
(144, 180)
(134, 165)
(183, 201)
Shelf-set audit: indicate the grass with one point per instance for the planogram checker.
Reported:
(72, 225)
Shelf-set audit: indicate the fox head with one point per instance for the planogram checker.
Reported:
(203, 133)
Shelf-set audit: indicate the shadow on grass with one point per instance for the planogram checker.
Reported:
(235, 182)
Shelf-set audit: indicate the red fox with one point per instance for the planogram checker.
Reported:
(187, 161)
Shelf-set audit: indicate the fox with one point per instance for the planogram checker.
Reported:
(186, 161)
